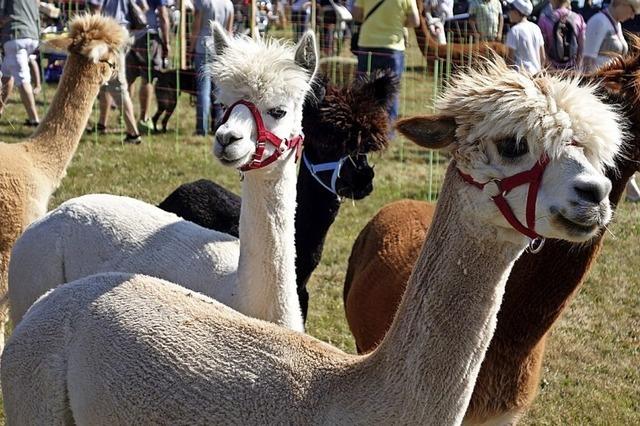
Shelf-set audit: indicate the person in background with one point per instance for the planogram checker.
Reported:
(222, 12)
(564, 33)
(604, 38)
(524, 40)
(436, 14)
(381, 44)
(326, 22)
(116, 87)
(20, 23)
(485, 18)
(149, 52)
(299, 17)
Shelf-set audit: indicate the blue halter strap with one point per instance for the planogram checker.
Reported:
(333, 166)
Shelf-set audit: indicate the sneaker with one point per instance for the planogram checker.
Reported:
(145, 125)
(132, 139)
(101, 129)
(30, 123)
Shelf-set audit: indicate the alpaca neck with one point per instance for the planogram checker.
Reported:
(266, 270)
(425, 369)
(317, 210)
(56, 139)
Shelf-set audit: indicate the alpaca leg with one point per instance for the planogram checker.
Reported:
(303, 296)
(155, 119)
(167, 116)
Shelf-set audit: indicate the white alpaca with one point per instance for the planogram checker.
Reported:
(99, 233)
(126, 349)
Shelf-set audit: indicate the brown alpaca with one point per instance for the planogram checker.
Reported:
(31, 170)
(539, 288)
(460, 53)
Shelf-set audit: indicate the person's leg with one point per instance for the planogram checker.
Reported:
(104, 104)
(34, 68)
(153, 53)
(7, 88)
(633, 192)
(17, 60)
(370, 60)
(297, 24)
(135, 66)
(145, 95)
(398, 69)
(123, 100)
(203, 97)
(216, 110)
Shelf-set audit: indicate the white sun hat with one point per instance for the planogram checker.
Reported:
(525, 7)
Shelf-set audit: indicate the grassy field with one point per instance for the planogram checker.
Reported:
(591, 373)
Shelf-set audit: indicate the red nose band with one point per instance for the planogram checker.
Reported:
(499, 188)
(264, 137)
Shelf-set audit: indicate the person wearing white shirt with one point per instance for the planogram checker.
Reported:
(524, 40)
(604, 36)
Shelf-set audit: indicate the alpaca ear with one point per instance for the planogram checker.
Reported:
(383, 87)
(306, 54)
(220, 38)
(431, 131)
(59, 43)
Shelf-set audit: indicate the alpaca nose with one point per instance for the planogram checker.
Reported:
(229, 137)
(593, 191)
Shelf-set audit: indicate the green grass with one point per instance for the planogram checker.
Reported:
(591, 373)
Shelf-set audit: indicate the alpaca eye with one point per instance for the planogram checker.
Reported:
(512, 148)
(277, 113)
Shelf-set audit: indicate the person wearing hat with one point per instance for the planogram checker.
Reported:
(604, 39)
(524, 40)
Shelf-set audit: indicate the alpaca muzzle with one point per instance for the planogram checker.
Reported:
(265, 137)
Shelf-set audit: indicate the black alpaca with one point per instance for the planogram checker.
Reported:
(343, 126)
(166, 91)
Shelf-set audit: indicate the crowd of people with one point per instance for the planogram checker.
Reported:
(560, 38)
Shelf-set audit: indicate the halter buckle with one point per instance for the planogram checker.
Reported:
(536, 245)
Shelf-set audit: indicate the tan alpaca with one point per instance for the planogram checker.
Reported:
(31, 170)
(129, 349)
(541, 286)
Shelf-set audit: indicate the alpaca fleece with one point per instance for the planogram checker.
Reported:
(99, 233)
(128, 348)
(80, 347)
(207, 204)
(33, 169)
(540, 287)
(335, 123)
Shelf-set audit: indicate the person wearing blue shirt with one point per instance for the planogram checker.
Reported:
(222, 12)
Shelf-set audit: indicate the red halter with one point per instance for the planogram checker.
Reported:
(264, 137)
(501, 187)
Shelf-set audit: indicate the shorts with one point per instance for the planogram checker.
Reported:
(16, 59)
(140, 57)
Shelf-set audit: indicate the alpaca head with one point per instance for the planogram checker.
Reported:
(343, 124)
(97, 38)
(271, 78)
(498, 123)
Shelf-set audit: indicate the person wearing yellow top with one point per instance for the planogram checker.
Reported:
(381, 43)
